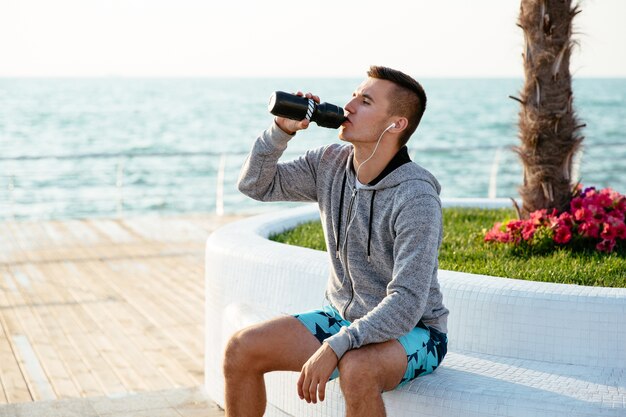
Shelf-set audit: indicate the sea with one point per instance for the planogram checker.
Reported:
(114, 147)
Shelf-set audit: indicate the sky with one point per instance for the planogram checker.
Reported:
(288, 38)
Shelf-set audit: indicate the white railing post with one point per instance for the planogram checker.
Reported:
(219, 191)
(119, 184)
(493, 177)
(11, 187)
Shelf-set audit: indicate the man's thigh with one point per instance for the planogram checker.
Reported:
(386, 362)
(281, 344)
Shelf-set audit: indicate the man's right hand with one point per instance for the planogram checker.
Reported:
(292, 126)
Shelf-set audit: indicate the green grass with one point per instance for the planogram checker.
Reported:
(463, 249)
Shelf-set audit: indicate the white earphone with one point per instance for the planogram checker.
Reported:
(390, 126)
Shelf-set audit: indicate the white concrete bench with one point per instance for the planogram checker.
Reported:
(516, 348)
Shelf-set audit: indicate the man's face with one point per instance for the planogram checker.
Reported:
(367, 112)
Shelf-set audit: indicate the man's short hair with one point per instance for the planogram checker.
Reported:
(409, 99)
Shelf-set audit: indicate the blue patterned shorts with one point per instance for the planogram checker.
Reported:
(425, 346)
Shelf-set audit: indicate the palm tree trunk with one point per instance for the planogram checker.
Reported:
(547, 122)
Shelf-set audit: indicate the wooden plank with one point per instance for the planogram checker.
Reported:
(55, 237)
(41, 360)
(124, 323)
(31, 238)
(182, 335)
(36, 377)
(80, 231)
(14, 387)
(3, 395)
(147, 291)
(189, 277)
(114, 231)
(183, 291)
(64, 242)
(52, 313)
(13, 381)
(179, 308)
(139, 316)
(16, 253)
(81, 332)
(93, 316)
(9, 248)
(97, 364)
(87, 240)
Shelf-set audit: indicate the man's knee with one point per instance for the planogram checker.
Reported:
(239, 352)
(357, 372)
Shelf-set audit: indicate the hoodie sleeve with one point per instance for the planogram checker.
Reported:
(418, 229)
(263, 178)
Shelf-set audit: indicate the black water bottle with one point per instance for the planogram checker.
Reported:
(296, 107)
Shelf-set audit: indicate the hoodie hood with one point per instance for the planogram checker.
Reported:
(396, 172)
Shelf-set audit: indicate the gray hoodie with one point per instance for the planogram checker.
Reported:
(383, 239)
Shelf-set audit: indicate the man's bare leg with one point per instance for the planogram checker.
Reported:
(366, 372)
(282, 344)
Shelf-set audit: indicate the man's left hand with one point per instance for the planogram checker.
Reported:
(315, 374)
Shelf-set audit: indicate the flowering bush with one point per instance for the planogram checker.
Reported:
(594, 218)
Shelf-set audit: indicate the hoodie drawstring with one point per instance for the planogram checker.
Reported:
(343, 191)
(369, 230)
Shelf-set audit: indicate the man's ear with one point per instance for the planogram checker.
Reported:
(399, 124)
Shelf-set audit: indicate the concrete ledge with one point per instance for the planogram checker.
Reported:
(517, 348)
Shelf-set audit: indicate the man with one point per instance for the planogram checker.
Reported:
(384, 323)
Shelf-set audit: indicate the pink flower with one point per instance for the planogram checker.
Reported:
(563, 235)
(612, 194)
(615, 228)
(492, 235)
(582, 215)
(565, 219)
(589, 192)
(496, 234)
(606, 246)
(599, 215)
(603, 200)
(537, 216)
(576, 203)
(528, 231)
(608, 232)
(589, 229)
(615, 215)
(514, 225)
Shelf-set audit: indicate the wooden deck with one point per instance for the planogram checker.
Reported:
(101, 307)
